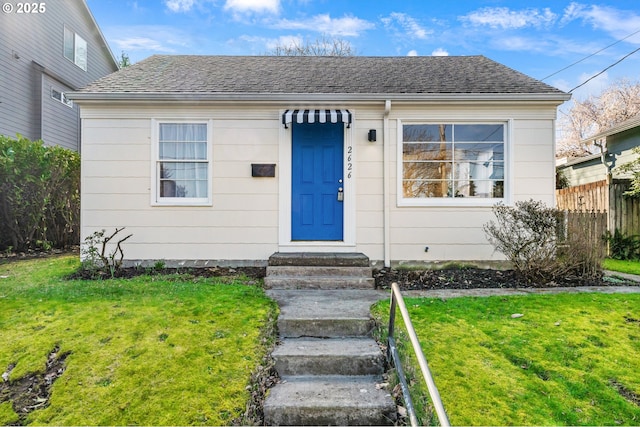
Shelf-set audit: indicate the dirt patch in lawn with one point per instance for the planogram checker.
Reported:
(32, 392)
(625, 392)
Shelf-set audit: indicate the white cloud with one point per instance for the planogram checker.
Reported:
(597, 85)
(284, 41)
(617, 22)
(177, 6)
(505, 18)
(258, 6)
(148, 39)
(345, 26)
(271, 43)
(572, 12)
(410, 27)
(142, 43)
(561, 84)
(412, 53)
(517, 43)
(439, 52)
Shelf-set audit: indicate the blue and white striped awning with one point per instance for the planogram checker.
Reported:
(316, 116)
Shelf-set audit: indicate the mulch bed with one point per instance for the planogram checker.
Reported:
(407, 279)
(475, 278)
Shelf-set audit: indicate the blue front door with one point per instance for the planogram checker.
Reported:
(316, 181)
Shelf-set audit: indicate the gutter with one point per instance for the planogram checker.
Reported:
(189, 97)
(620, 127)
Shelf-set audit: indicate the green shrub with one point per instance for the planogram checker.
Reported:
(623, 247)
(39, 195)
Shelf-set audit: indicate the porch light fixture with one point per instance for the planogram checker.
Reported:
(371, 136)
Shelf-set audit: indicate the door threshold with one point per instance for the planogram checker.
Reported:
(317, 247)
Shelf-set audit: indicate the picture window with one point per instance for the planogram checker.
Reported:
(453, 161)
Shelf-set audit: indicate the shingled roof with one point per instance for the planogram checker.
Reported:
(183, 74)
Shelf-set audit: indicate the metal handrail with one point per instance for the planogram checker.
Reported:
(396, 299)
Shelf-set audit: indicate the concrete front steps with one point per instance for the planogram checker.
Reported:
(318, 271)
(330, 367)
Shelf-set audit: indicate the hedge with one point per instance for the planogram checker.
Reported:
(39, 195)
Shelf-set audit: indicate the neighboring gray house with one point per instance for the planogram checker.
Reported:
(596, 182)
(55, 48)
(616, 145)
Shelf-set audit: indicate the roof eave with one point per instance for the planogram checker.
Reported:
(620, 127)
(313, 97)
(566, 162)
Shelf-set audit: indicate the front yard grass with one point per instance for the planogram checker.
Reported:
(571, 359)
(145, 351)
(622, 266)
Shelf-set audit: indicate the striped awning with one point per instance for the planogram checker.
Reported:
(316, 116)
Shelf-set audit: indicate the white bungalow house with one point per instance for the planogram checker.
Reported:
(227, 160)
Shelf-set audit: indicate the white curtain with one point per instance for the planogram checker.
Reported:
(183, 155)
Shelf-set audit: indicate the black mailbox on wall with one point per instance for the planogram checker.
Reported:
(262, 170)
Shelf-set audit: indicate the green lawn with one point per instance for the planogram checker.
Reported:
(630, 267)
(146, 351)
(567, 361)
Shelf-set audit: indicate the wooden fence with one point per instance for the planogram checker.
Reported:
(622, 212)
(590, 226)
(588, 197)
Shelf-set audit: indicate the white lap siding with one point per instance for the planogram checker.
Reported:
(117, 182)
(454, 233)
(242, 223)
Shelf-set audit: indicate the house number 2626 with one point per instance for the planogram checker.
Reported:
(349, 162)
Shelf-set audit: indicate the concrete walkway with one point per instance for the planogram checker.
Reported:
(455, 293)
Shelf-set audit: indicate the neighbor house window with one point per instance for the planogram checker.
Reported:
(450, 161)
(183, 165)
(61, 97)
(75, 48)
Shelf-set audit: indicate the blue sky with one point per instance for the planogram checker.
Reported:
(536, 40)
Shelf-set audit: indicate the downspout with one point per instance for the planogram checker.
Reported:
(386, 176)
(603, 159)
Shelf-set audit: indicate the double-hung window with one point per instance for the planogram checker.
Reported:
(183, 164)
(452, 163)
(75, 48)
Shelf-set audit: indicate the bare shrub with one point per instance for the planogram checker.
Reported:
(101, 261)
(536, 241)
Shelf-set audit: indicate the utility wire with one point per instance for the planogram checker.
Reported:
(589, 56)
(609, 67)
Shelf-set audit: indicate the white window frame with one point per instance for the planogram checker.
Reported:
(456, 201)
(62, 97)
(80, 49)
(156, 200)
